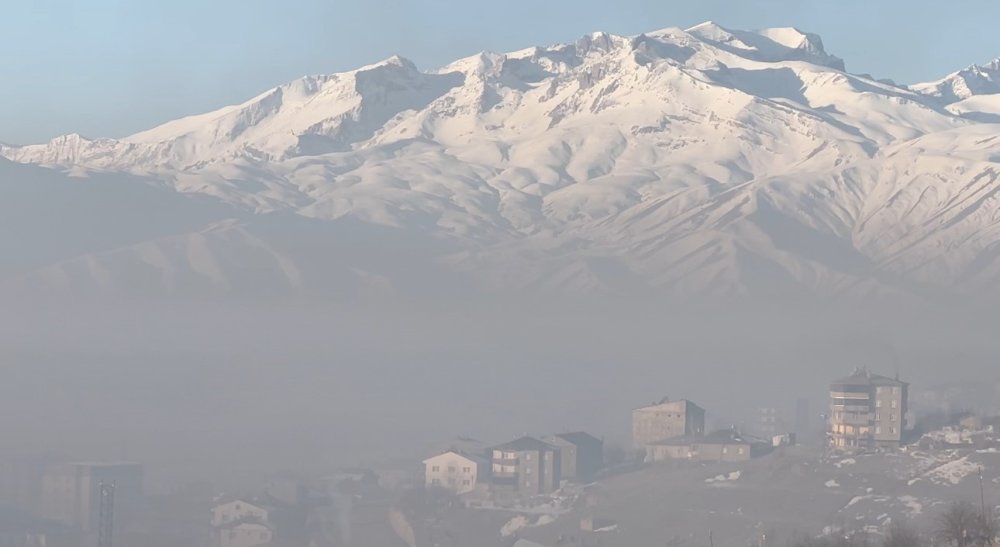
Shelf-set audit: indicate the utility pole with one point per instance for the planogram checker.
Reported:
(106, 515)
(982, 493)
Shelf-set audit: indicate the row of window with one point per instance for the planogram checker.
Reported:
(451, 469)
(451, 482)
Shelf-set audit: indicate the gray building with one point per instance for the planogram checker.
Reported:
(525, 467)
(665, 420)
(581, 454)
(719, 446)
(867, 411)
(71, 492)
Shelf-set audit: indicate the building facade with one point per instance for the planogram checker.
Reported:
(454, 471)
(247, 533)
(867, 411)
(719, 446)
(581, 455)
(525, 467)
(71, 493)
(665, 420)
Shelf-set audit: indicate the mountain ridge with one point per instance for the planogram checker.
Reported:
(704, 160)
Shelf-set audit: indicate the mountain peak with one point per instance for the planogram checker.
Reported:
(970, 81)
(395, 60)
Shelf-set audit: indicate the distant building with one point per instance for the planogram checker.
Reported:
(71, 492)
(581, 454)
(246, 533)
(720, 446)
(21, 482)
(454, 471)
(229, 509)
(665, 420)
(20, 529)
(867, 411)
(769, 421)
(526, 467)
(802, 421)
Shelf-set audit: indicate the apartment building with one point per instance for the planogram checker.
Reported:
(525, 467)
(867, 411)
(455, 471)
(664, 420)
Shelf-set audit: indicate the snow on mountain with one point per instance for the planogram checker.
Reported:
(699, 160)
(968, 82)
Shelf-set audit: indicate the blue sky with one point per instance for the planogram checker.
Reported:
(113, 67)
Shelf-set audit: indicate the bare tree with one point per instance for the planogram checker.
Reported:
(960, 525)
(901, 534)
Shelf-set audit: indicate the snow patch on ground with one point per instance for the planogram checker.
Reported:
(912, 504)
(952, 472)
(521, 522)
(735, 475)
(831, 484)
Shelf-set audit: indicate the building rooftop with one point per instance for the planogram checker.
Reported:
(666, 404)
(723, 436)
(526, 443)
(578, 438)
(864, 377)
(471, 457)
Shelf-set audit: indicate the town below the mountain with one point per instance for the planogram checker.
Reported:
(879, 462)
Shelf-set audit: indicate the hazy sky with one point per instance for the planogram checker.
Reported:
(112, 67)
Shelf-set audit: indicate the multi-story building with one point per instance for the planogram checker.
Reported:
(867, 411)
(664, 420)
(455, 471)
(526, 467)
(582, 454)
(71, 493)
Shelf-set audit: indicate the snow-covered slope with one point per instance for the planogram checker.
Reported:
(969, 82)
(699, 160)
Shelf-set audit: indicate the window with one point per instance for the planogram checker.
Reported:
(878, 430)
(892, 417)
(879, 390)
(527, 456)
(527, 470)
(497, 454)
(451, 468)
(878, 404)
(466, 470)
(878, 415)
(892, 430)
(527, 484)
(497, 468)
(741, 450)
(466, 482)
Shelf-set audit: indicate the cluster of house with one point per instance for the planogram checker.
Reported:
(675, 430)
(293, 512)
(866, 411)
(523, 467)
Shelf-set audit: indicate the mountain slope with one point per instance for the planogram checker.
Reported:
(705, 160)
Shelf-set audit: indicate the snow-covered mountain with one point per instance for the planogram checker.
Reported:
(704, 160)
